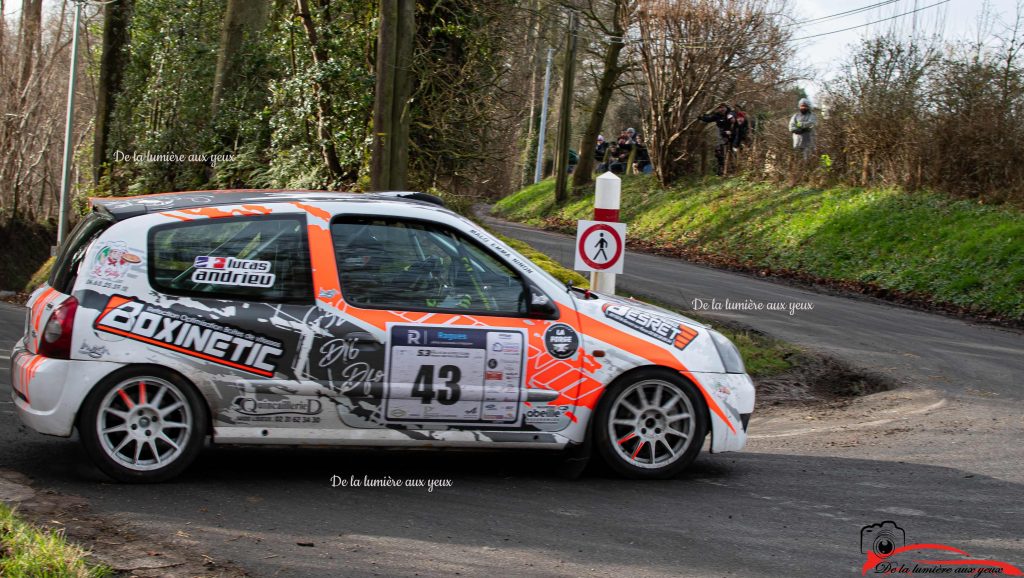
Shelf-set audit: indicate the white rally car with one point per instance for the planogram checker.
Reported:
(284, 317)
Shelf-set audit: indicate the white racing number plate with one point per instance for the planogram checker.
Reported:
(454, 374)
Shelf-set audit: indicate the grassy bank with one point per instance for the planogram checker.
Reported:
(28, 552)
(913, 246)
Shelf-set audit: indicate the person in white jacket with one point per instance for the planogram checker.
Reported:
(803, 125)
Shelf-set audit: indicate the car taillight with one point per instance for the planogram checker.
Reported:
(56, 339)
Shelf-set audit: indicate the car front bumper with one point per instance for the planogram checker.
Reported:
(733, 394)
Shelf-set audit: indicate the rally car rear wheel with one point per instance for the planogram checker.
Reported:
(651, 424)
(143, 425)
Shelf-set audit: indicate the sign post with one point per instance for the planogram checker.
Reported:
(607, 197)
(601, 243)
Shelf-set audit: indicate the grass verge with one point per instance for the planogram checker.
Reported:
(921, 247)
(28, 552)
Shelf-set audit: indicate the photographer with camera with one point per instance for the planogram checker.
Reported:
(725, 119)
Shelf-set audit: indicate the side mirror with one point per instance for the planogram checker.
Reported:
(539, 305)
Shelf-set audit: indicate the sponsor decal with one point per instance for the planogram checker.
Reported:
(887, 552)
(546, 415)
(253, 406)
(93, 351)
(231, 271)
(192, 336)
(111, 264)
(495, 246)
(661, 328)
(561, 341)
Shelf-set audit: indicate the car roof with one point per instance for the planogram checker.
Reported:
(121, 208)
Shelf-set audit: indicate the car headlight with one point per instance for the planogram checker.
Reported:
(730, 355)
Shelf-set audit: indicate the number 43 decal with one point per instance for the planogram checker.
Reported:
(423, 386)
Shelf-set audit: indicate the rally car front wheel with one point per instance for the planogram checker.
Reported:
(651, 424)
(143, 424)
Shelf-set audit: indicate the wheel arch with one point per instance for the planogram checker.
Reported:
(129, 368)
(665, 370)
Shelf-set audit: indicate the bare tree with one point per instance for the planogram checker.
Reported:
(33, 93)
(694, 54)
(611, 19)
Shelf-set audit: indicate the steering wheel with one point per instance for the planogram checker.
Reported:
(427, 278)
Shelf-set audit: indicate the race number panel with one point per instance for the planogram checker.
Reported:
(454, 374)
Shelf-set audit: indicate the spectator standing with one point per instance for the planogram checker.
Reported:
(803, 125)
(741, 131)
(630, 146)
(599, 153)
(641, 157)
(725, 119)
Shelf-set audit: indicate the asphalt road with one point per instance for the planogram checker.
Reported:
(910, 346)
(944, 465)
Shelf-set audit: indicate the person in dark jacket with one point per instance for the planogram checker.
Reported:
(725, 119)
(618, 155)
(599, 153)
(641, 158)
(741, 130)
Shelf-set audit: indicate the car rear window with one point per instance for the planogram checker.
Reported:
(250, 258)
(65, 269)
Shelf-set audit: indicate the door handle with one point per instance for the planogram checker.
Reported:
(365, 341)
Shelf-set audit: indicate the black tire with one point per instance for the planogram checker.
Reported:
(625, 449)
(153, 446)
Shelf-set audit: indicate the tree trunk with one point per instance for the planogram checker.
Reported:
(29, 39)
(112, 61)
(605, 89)
(242, 19)
(384, 97)
(389, 164)
(323, 98)
(565, 114)
(532, 45)
(400, 114)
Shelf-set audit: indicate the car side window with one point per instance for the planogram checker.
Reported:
(413, 265)
(256, 259)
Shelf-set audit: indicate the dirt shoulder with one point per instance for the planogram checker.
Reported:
(112, 542)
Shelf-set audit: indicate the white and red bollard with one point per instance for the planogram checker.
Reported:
(607, 199)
